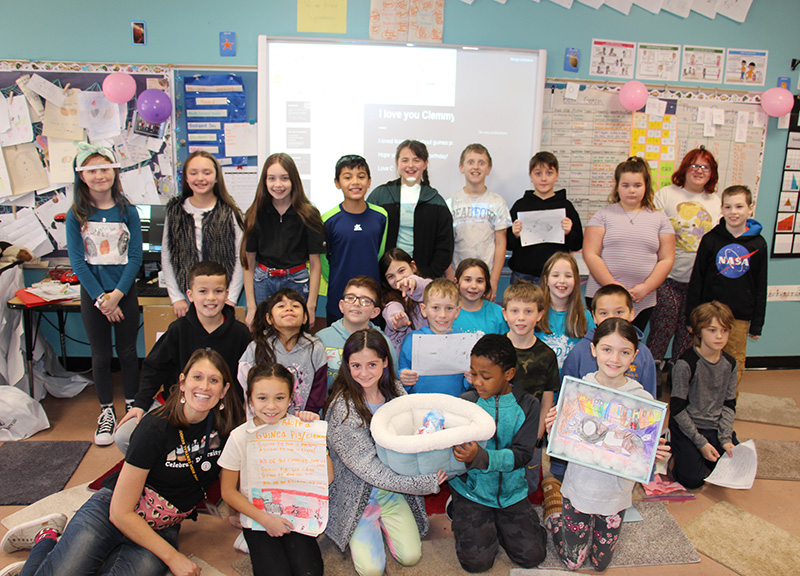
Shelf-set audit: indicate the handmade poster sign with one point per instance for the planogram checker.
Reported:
(602, 428)
(287, 473)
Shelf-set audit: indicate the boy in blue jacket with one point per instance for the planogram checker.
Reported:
(490, 504)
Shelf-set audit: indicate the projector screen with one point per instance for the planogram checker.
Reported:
(324, 99)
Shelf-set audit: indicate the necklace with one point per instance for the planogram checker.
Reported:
(634, 216)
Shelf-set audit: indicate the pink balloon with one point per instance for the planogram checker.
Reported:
(633, 95)
(119, 87)
(154, 106)
(777, 101)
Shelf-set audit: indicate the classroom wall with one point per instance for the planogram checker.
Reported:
(186, 33)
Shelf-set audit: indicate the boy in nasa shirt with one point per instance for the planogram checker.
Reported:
(731, 267)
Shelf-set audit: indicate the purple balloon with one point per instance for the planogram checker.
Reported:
(154, 106)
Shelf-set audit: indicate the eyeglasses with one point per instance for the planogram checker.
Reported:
(701, 167)
(362, 300)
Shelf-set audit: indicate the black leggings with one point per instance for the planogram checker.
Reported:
(126, 334)
(292, 554)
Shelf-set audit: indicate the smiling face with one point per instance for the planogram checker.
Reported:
(440, 311)
(476, 167)
(736, 211)
(98, 180)
(269, 398)
(410, 167)
(366, 368)
(353, 182)
(697, 178)
(357, 315)
(611, 306)
(287, 316)
(522, 317)
(614, 355)
(561, 283)
(488, 378)
(201, 176)
(398, 270)
(202, 388)
(208, 294)
(472, 285)
(544, 179)
(278, 183)
(631, 190)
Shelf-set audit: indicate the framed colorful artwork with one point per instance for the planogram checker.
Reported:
(605, 429)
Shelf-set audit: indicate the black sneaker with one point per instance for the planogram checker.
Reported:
(128, 405)
(106, 423)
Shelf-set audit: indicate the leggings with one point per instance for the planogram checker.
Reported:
(572, 531)
(669, 319)
(126, 334)
(292, 554)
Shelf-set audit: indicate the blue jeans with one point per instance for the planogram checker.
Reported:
(265, 285)
(535, 280)
(91, 544)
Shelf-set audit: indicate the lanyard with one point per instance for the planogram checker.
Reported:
(205, 451)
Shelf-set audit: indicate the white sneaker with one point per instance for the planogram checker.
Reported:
(106, 423)
(22, 537)
(240, 544)
(12, 569)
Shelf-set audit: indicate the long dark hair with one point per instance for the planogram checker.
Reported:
(269, 370)
(305, 209)
(264, 332)
(634, 165)
(420, 151)
(82, 205)
(225, 419)
(389, 294)
(348, 389)
(220, 190)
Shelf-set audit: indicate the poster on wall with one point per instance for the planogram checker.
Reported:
(746, 67)
(702, 64)
(660, 62)
(605, 429)
(786, 236)
(612, 58)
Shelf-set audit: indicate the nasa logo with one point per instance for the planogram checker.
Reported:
(733, 260)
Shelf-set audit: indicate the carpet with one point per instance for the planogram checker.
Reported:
(656, 540)
(778, 460)
(777, 410)
(22, 465)
(64, 502)
(743, 542)
(206, 569)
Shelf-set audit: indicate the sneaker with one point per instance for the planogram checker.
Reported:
(12, 569)
(128, 405)
(448, 508)
(22, 537)
(241, 544)
(106, 423)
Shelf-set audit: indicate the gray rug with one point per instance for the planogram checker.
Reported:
(23, 465)
(778, 460)
(777, 410)
(656, 540)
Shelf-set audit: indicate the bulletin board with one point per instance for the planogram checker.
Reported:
(591, 134)
(146, 157)
(786, 236)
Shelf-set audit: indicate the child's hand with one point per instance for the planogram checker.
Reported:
(406, 286)
(400, 320)
(115, 315)
(408, 377)
(307, 416)
(441, 477)
(180, 308)
(550, 418)
(709, 452)
(638, 292)
(516, 228)
(275, 525)
(728, 447)
(468, 376)
(466, 452)
(663, 450)
(248, 319)
(754, 336)
(566, 225)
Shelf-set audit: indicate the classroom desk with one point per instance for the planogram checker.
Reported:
(61, 309)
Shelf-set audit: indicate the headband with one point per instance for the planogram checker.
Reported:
(85, 150)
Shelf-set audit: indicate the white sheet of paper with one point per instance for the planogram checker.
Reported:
(25, 168)
(703, 115)
(139, 186)
(623, 6)
(33, 99)
(46, 214)
(129, 153)
(26, 230)
(718, 116)
(437, 355)
(783, 121)
(21, 200)
(20, 130)
(155, 144)
(241, 184)
(98, 115)
(5, 179)
(738, 472)
(653, 6)
(709, 130)
(742, 119)
(707, 8)
(47, 90)
(572, 91)
(678, 7)
(5, 122)
(655, 107)
(62, 122)
(734, 9)
(240, 139)
(540, 226)
(61, 154)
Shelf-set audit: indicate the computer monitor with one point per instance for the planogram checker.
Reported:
(152, 219)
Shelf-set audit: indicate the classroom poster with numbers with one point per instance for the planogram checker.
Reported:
(654, 138)
(592, 134)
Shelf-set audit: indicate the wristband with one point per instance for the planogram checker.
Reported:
(100, 299)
